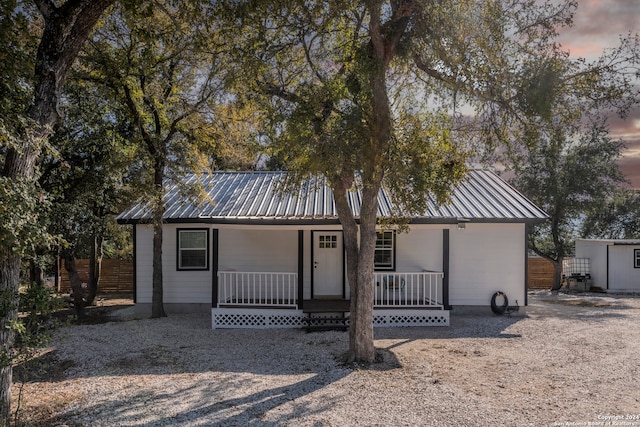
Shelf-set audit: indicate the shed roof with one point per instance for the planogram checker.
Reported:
(256, 197)
(614, 242)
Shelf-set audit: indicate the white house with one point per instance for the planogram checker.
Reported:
(615, 264)
(258, 257)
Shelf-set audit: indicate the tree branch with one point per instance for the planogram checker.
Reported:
(46, 8)
(431, 72)
(395, 28)
(375, 28)
(273, 90)
(137, 119)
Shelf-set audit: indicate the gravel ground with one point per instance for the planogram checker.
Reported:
(573, 360)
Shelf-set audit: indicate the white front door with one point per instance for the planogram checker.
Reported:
(327, 264)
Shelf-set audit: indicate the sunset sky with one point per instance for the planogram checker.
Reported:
(598, 24)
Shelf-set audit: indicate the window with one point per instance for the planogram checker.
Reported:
(385, 250)
(327, 242)
(193, 249)
(636, 258)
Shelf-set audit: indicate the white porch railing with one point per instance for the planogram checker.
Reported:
(248, 288)
(395, 289)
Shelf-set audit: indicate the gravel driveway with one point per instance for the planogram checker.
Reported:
(573, 360)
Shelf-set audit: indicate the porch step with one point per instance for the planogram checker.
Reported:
(325, 306)
(325, 323)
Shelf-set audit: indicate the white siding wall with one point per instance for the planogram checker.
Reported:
(596, 251)
(420, 249)
(241, 249)
(485, 258)
(622, 274)
(258, 250)
(144, 263)
(179, 286)
(184, 286)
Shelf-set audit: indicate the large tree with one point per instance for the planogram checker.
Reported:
(165, 64)
(87, 179)
(567, 164)
(616, 217)
(66, 25)
(362, 92)
(567, 179)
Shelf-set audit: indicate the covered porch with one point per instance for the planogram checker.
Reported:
(279, 276)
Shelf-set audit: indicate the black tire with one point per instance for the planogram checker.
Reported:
(499, 310)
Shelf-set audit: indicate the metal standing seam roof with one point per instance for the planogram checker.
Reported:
(252, 196)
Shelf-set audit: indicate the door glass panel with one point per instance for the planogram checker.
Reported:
(327, 242)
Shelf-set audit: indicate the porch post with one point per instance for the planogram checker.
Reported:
(526, 264)
(214, 270)
(135, 266)
(607, 265)
(300, 269)
(445, 269)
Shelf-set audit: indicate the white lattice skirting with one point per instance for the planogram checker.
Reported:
(390, 318)
(254, 318)
(281, 318)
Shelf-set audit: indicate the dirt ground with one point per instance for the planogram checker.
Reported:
(572, 360)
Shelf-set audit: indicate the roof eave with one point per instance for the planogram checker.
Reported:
(324, 221)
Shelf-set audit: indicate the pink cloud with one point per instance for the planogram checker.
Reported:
(599, 24)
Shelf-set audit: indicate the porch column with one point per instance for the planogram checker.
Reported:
(300, 268)
(526, 264)
(135, 266)
(214, 270)
(445, 269)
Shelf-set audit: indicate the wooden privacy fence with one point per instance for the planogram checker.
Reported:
(116, 275)
(540, 273)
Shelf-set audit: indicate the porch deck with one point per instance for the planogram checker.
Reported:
(309, 305)
(314, 305)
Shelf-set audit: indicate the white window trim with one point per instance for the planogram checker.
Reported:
(636, 258)
(180, 249)
(391, 267)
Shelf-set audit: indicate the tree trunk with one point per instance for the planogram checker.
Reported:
(95, 268)
(361, 347)
(66, 27)
(557, 274)
(36, 273)
(9, 279)
(19, 166)
(74, 279)
(352, 249)
(157, 300)
(360, 249)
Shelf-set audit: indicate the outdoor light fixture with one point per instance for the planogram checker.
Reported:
(462, 223)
